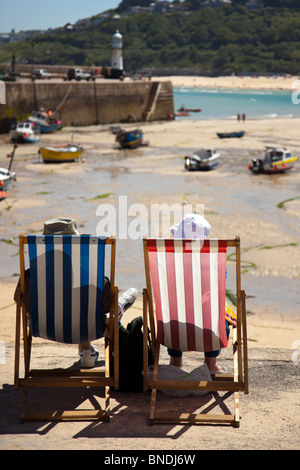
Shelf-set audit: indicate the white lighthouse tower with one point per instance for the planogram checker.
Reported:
(117, 56)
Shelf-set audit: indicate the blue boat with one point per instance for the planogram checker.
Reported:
(129, 139)
(47, 123)
(226, 135)
(25, 132)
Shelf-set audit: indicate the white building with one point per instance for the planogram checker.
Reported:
(117, 55)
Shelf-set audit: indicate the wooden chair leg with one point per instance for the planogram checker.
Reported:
(155, 376)
(145, 341)
(152, 405)
(236, 422)
(17, 343)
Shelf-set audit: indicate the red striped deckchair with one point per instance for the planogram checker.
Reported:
(66, 298)
(187, 279)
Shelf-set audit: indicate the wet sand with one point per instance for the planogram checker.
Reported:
(235, 201)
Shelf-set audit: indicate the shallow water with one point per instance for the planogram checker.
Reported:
(220, 103)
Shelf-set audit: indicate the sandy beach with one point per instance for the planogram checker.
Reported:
(247, 82)
(263, 210)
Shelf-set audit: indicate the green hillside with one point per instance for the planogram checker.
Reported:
(224, 40)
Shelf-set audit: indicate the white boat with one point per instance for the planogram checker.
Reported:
(6, 177)
(202, 160)
(276, 160)
(25, 132)
(61, 153)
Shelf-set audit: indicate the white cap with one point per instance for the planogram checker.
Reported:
(191, 226)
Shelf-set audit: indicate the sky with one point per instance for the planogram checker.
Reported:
(44, 14)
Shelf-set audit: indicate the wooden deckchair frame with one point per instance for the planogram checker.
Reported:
(58, 378)
(233, 383)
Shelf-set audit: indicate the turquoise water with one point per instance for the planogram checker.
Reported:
(227, 103)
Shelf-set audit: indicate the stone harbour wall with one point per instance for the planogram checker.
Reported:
(86, 103)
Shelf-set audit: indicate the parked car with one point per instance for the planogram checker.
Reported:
(40, 73)
(79, 74)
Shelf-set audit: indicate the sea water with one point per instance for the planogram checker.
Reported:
(218, 103)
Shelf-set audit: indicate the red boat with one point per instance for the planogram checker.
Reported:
(182, 113)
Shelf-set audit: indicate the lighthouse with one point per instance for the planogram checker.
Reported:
(117, 57)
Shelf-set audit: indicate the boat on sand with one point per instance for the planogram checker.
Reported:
(26, 132)
(6, 175)
(229, 135)
(61, 153)
(276, 160)
(202, 160)
(47, 123)
(129, 139)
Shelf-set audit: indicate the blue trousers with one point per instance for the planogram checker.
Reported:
(175, 353)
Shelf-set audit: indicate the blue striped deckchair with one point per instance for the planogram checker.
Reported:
(187, 279)
(66, 299)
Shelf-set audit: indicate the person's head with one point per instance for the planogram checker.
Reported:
(191, 226)
(60, 226)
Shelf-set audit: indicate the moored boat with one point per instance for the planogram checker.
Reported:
(6, 175)
(182, 113)
(25, 132)
(202, 160)
(276, 160)
(226, 135)
(47, 123)
(182, 109)
(130, 139)
(61, 153)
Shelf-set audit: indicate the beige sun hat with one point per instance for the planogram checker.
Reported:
(60, 226)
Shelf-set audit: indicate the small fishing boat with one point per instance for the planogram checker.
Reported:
(47, 123)
(276, 160)
(61, 153)
(182, 109)
(129, 139)
(182, 113)
(202, 160)
(25, 132)
(226, 135)
(6, 175)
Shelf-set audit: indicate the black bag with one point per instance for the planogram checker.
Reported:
(131, 356)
